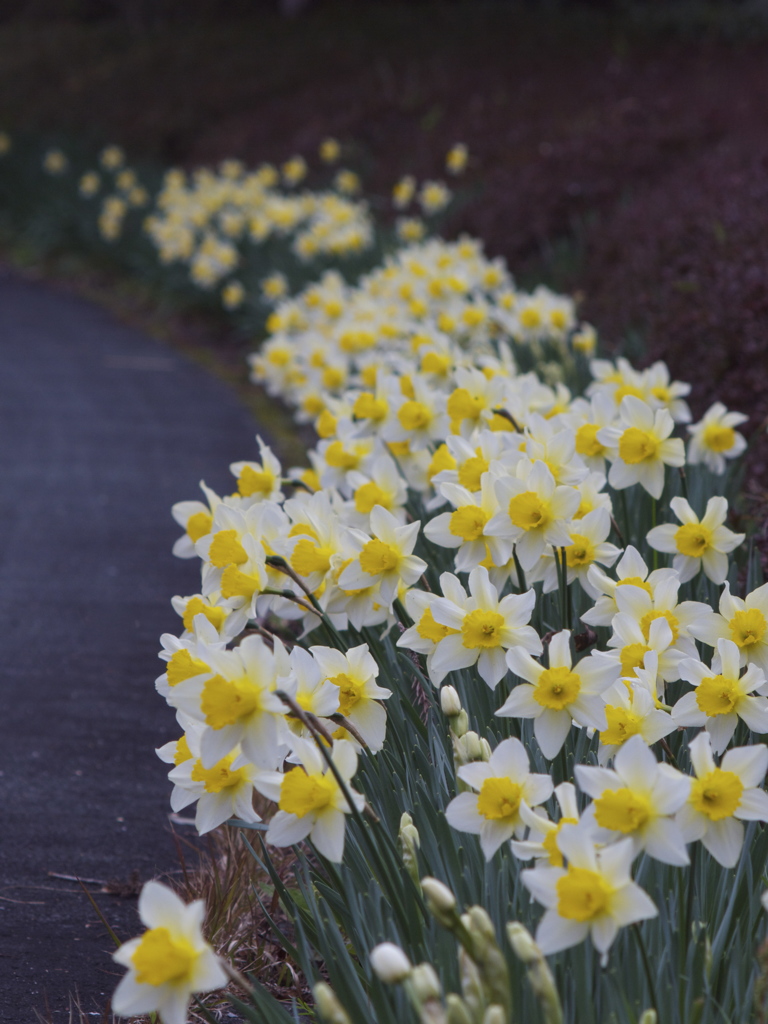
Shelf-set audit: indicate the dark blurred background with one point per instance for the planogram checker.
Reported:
(619, 149)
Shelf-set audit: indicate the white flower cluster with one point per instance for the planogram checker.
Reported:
(206, 219)
(437, 453)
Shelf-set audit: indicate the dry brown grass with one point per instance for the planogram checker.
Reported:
(221, 870)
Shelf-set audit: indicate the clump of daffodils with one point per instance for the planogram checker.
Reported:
(546, 579)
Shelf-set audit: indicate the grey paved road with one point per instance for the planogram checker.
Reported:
(101, 430)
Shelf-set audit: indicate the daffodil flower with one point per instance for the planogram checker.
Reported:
(684, 619)
(222, 791)
(632, 571)
(714, 439)
(259, 481)
(534, 511)
(541, 843)
(196, 519)
(557, 696)
(722, 696)
(501, 786)
(311, 804)
(698, 544)
(637, 800)
(386, 558)
(482, 627)
(585, 419)
(236, 701)
(353, 673)
(464, 528)
(170, 962)
(742, 620)
(587, 546)
(631, 709)
(721, 798)
(426, 633)
(640, 447)
(593, 896)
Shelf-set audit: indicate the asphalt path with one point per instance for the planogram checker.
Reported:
(101, 430)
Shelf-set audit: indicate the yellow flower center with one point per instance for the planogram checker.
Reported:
(717, 794)
(530, 317)
(370, 494)
(482, 629)
(581, 551)
(226, 549)
(718, 695)
(582, 895)
(464, 406)
(183, 666)
(161, 957)
(182, 752)
(198, 525)
(442, 459)
(621, 725)
(635, 581)
(433, 362)
(693, 539)
(367, 407)
(468, 522)
(748, 627)
(631, 658)
(309, 557)
(549, 842)
(226, 701)
(431, 630)
(557, 688)
(471, 471)
(627, 389)
(338, 457)
(529, 512)
(196, 606)
(399, 448)
(621, 810)
(300, 793)
(586, 440)
(414, 415)
(238, 584)
(377, 557)
(326, 424)
(637, 446)
(650, 617)
(350, 692)
(499, 799)
(255, 481)
(333, 378)
(220, 776)
(718, 438)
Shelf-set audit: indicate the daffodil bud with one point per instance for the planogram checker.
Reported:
(440, 900)
(425, 984)
(409, 842)
(540, 976)
(521, 941)
(494, 1015)
(390, 963)
(469, 747)
(648, 1017)
(457, 1011)
(449, 702)
(460, 723)
(488, 957)
(328, 1005)
(481, 926)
